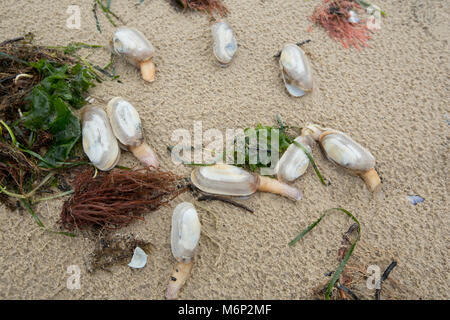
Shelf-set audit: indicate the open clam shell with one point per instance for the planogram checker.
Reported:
(134, 46)
(127, 127)
(342, 150)
(125, 122)
(99, 142)
(294, 161)
(185, 232)
(224, 42)
(224, 179)
(296, 70)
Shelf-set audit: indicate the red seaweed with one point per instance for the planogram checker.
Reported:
(116, 198)
(333, 16)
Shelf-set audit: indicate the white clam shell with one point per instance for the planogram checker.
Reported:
(225, 180)
(139, 259)
(132, 44)
(125, 122)
(344, 151)
(296, 70)
(224, 42)
(99, 142)
(185, 232)
(294, 161)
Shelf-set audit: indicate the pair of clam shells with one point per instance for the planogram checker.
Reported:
(296, 70)
(137, 50)
(105, 132)
(135, 47)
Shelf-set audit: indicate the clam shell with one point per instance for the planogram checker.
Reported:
(294, 161)
(343, 150)
(185, 232)
(225, 179)
(132, 44)
(296, 70)
(224, 42)
(125, 122)
(99, 142)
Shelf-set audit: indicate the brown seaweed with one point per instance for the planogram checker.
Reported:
(114, 199)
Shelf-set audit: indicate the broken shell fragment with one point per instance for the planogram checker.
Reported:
(294, 161)
(185, 234)
(353, 17)
(127, 127)
(224, 42)
(135, 47)
(139, 259)
(296, 70)
(224, 179)
(99, 142)
(344, 151)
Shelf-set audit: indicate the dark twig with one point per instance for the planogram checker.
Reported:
(347, 290)
(208, 197)
(383, 278)
(11, 40)
(352, 228)
(298, 44)
(303, 42)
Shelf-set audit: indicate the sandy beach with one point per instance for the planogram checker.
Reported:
(392, 97)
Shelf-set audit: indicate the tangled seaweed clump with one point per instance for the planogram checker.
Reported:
(116, 198)
(39, 87)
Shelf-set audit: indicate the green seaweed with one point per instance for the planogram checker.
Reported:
(49, 110)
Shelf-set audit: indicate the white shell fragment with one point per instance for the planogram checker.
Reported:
(99, 142)
(185, 232)
(415, 199)
(294, 161)
(125, 122)
(353, 17)
(296, 70)
(139, 259)
(225, 180)
(132, 44)
(224, 42)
